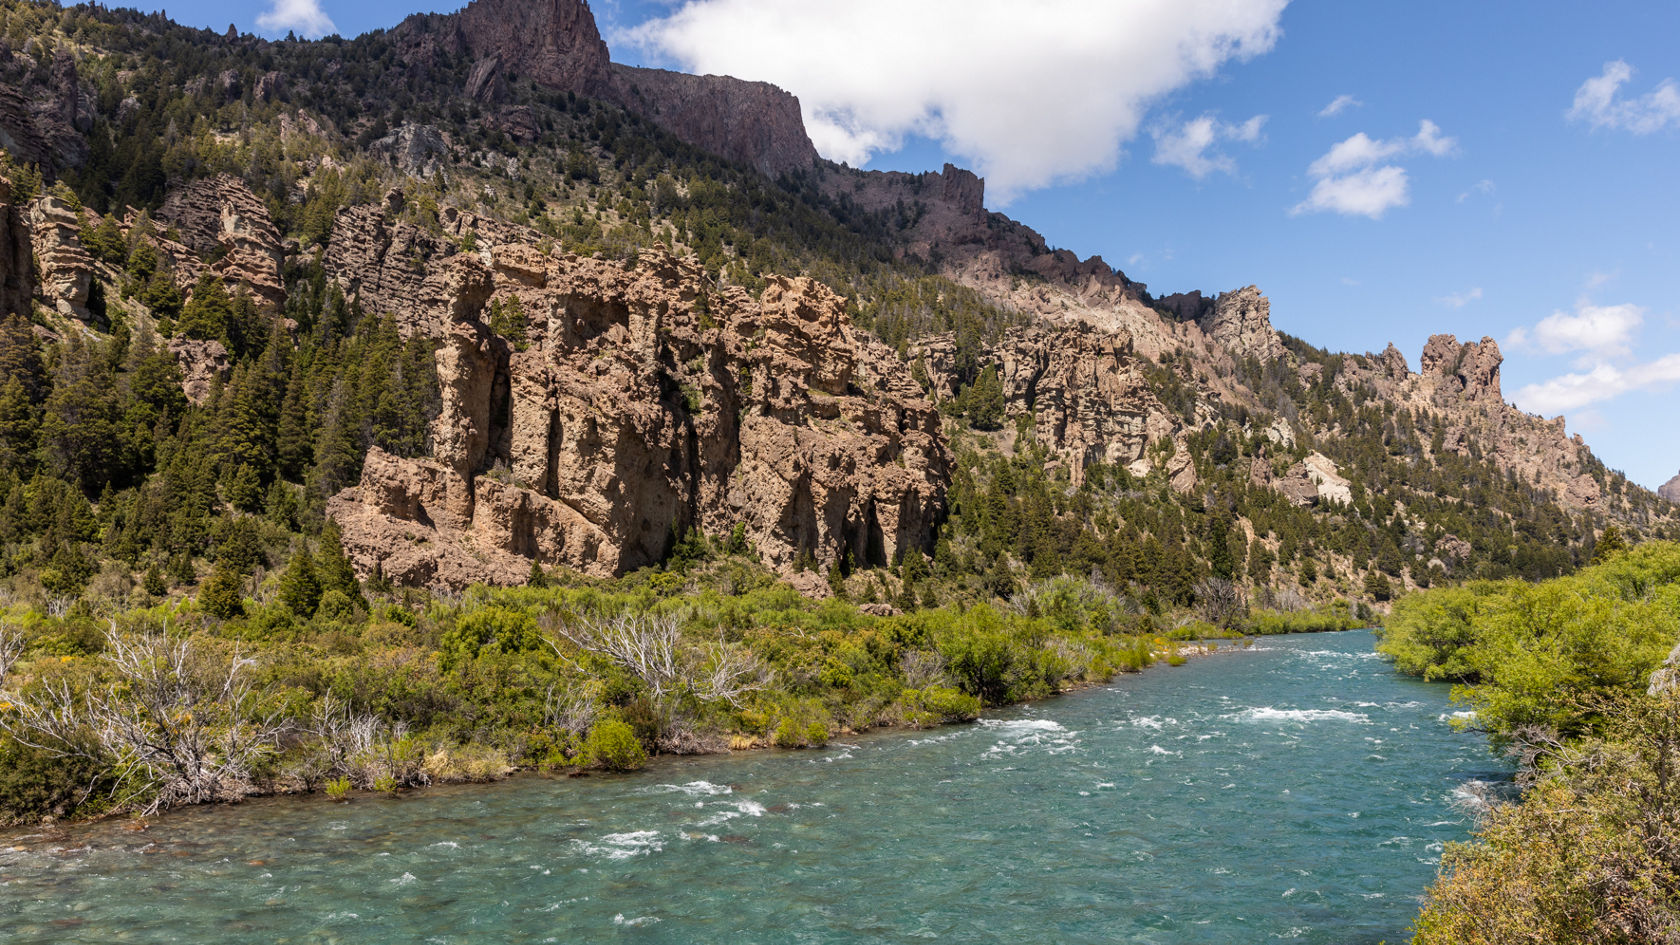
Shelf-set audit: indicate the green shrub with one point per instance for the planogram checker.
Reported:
(35, 784)
(790, 734)
(501, 628)
(338, 789)
(947, 704)
(612, 746)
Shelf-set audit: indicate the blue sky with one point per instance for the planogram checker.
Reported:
(1514, 212)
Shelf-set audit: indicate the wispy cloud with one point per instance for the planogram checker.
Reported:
(1598, 102)
(1461, 299)
(1603, 382)
(1483, 187)
(1603, 337)
(995, 92)
(1339, 104)
(304, 17)
(1193, 145)
(1354, 177)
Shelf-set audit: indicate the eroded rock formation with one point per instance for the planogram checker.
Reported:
(643, 404)
(220, 216)
(66, 268)
(1241, 322)
(202, 364)
(1469, 370)
(1082, 387)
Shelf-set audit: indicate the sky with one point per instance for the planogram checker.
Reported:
(1382, 170)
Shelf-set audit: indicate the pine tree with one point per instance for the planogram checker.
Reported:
(208, 311)
(985, 400)
(294, 446)
(1609, 544)
(20, 425)
(333, 569)
(300, 586)
(223, 595)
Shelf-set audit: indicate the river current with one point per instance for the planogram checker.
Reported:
(1297, 790)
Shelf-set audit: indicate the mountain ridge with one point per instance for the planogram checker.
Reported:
(599, 304)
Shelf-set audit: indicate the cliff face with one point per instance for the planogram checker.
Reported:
(556, 43)
(66, 268)
(643, 404)
(754, 123)
(46, 125)
(1082, 388)
(221, 216)
(17, 267)
(1670, 490)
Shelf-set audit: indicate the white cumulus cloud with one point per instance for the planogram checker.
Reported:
(1354, 177)
(1339, 104)
(1031, 94)
(1192, 145)
(303, 17)
(1601, 330)
(1599, 103)
(1603, 382)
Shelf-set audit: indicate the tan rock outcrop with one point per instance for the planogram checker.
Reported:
(202, 364)
(394, 268)
(1470, 369)
(1241, 322)
(1670, 490)
(220, 215)
(17, 266)
(644, 404)
(1327, 479)
(1082, 387)
(66, 268)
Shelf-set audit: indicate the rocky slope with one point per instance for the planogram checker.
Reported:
(1670, 490)
(642, 403)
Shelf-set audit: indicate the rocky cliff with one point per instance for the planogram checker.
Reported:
(1458, 386)
(642, 403)
(556, 44)
(754, 123)
(221, 218)
(1670, 490)
(46, 125)
(17, 267)
(66, 270)
(1082, 388)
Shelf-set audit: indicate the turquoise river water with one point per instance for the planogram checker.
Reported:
(1295, 791)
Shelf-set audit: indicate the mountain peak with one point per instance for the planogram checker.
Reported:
(557, 44)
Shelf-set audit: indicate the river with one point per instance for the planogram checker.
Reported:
(1294, 791)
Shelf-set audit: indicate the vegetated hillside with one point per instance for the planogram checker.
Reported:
(485, 299)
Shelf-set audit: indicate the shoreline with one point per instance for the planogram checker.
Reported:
(51, 831)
